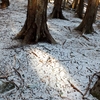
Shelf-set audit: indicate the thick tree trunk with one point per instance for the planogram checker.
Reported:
(35, 28)
(57, 10)
(4, 4)
(86, 25)
(95, 91)
(80, 9)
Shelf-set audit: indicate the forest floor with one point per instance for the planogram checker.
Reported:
(45, 71)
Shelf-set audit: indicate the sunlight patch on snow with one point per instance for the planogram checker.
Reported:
(52, 72)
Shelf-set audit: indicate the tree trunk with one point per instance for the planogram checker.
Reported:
(95, 91)
(80, 9)
(86, 25)
(57, 10)
(64, 3)
(74, 4)
(48, 1)
(35, 28)
(4, 4)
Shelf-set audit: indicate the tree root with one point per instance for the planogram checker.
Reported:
(57, 14)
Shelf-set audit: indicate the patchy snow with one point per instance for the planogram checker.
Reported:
(47, 71)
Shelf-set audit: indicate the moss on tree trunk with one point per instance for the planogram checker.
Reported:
(35, 28)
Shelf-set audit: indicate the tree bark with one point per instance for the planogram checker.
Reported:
(64, 3)
(74, 4)
(80, 9)
(86, 25)
(48, 1)
(4, 4)
(57, 10)
(35, 28)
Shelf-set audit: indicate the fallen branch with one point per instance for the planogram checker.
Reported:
(88, 87)
(12, 82)
(68, 28)
(89, 69)
(14, 46)
(84, 30)
(3, 77)
(17, 46)
(64, 42)
(35, 54)
(19, 75)
(90, 80)
(85, 37)
(82, 34)
(6, 77)
(75, 88)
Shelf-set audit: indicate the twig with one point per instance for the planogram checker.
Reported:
(6, 77)
(70, 29)
(12, 82)
(65, 27)
(85, 37)
(1, 72)
(89, 69)
(84, 30)
(14, 46)
(64, 42)
(88, 87)
(46, 48)
(35, 54)
(15, 62)
(19, 74)
(82, 34)
(75, 88)
(3, 77)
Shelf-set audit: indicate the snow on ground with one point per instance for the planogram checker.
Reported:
(47, 71)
